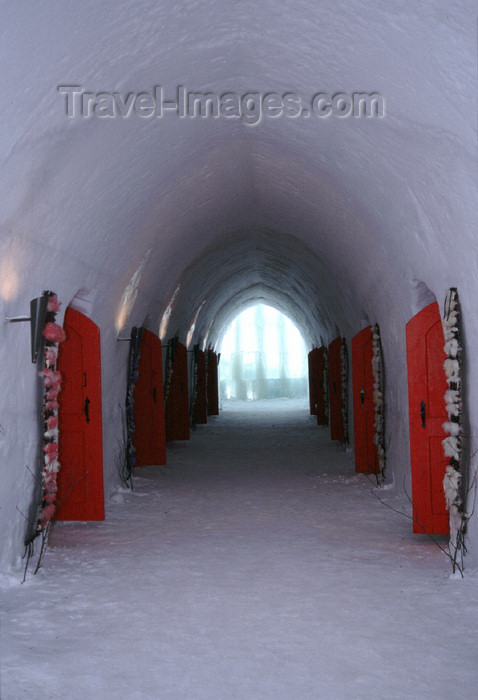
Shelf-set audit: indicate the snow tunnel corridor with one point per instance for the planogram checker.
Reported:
(257, 564)
(166, 166)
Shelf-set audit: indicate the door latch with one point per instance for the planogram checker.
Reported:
(422, 413)
(87, 409)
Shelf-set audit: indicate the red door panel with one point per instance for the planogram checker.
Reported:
(337, 431)
(177, 404)
(366, 458)
(426, 389)
(200, 404)
(80, 479)
(150, 437)
(212, 385)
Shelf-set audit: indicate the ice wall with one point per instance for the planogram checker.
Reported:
(263, 355)
(326, 218)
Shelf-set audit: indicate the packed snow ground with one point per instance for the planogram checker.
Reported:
(256, 564)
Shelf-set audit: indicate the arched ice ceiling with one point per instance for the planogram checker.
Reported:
(254, 266)
(327, 218)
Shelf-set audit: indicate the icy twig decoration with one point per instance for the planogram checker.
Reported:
(194, 396)
(452, 444)
(326, 385)
(169, 367)
(126, 466)
(378, 398)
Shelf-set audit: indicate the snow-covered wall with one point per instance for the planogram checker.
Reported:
(330, 218)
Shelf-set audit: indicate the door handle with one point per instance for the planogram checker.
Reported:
(154, 394)
(362, 396)
(422, 413)
(87, 409)
(84, 379)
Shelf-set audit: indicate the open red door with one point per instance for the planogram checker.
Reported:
(80, 479)
(177, 403)
(337, 430)
(150, 437)
(212, 384)
(366, 457)
(426, 390)
(200, 402)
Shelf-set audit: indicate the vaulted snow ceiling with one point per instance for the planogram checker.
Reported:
(326, 218)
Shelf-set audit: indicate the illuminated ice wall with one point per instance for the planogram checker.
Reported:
(263, 355)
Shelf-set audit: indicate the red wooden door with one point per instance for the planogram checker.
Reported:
(150, 437)
(212, 385)
(200, 403)
(177, 403)
(426, 390)
(80, 479)
(337, 431)
(320, 400)
(366, 458)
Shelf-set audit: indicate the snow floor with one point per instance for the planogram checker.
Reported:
(256, 564)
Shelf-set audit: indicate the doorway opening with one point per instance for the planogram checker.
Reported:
(263, 356)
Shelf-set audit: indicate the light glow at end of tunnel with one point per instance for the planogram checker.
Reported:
(263, 355)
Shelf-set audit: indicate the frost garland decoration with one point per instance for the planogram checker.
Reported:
(169, 367)
(52, 379)
(194, 392)
(378, 397)
(452, 445)
(344, 361)
(133, 374)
